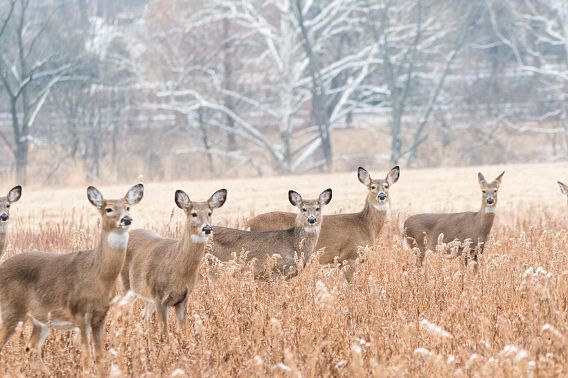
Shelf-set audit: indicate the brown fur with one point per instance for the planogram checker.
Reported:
(260, 245)
(13, 195)
(164, 271)
(67, 290)
(422, 230)
(341, 234)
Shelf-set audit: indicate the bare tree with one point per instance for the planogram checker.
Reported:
(30, 66)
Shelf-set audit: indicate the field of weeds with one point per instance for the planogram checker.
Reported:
(393, 319)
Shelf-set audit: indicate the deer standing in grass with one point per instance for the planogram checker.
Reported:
(13, 195)
(563, 188)
(343, 234)
(65, 291)
(302, 236)
(163, 271)
(423, 230)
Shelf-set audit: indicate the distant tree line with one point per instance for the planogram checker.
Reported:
(167, 88)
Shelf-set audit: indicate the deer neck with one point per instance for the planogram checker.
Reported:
(189, 250)
(375, 219)
(485, 218)
(3, 234)
(109, 255)
(305, 238)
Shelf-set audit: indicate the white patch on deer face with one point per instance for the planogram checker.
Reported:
(382, 206)
(3, 227)
(117, 240)
(199, 239)
(490, 209)
(312, 229)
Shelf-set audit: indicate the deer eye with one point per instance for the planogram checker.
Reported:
(317, 209)
(194, 215)
(484, 191)
(108, 210)
(209, 213)
(386, 186)
(128, 208)
(373, 187)
(8, 206)
(304, 210)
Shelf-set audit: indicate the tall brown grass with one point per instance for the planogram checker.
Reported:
(394, 319)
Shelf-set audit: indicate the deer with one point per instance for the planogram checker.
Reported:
(342, 235)
(563, 188)
(424, 231)
(70, 290)
(13, 196)
(163, 271)
(302, 236)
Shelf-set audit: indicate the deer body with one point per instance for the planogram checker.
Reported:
(163, 271)
(289, 243)
(13, 195)
(342, 234)
(422, 230)
(64, 291)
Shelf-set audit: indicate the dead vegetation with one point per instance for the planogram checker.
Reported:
(393, 319)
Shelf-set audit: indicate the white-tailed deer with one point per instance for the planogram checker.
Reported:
(342, 234)
(72, 290)
(163, 271)
(563, 188)
(302, 236)
(423, 230)
(13, 195)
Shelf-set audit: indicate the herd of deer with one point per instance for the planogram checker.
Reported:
(75, 290)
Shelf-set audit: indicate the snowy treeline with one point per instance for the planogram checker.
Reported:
(186, 88)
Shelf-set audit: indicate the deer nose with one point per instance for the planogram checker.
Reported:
(207, 229)
(126, 220)
(312, 219)
(490, 201)
(3, 217)
(382, 196)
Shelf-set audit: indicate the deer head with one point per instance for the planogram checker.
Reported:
(310, 210)
(199, 213)
(378, 189)
(489, 192)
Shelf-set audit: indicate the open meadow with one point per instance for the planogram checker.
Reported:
(394, 319)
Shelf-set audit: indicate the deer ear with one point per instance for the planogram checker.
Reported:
(295, 198)
(95, 197)
(182, 200)
(481, 179)
(325, 197)
(364, 176)
(393, 175)
(218, 199)
(14, 194)
(563, 187)
(497, 181)
(134, 194)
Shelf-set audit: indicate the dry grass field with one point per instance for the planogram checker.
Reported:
(393, 319)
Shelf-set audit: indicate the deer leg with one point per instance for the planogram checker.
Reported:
(348, 267)
(98, 334)
(35, 344)
(85, 329)
(180, 313)
(162, 311)
(150, 308)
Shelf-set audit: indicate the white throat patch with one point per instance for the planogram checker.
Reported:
(199, 239)
(382, 207)
(491, 209)
(118, 240)
(312, 229)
